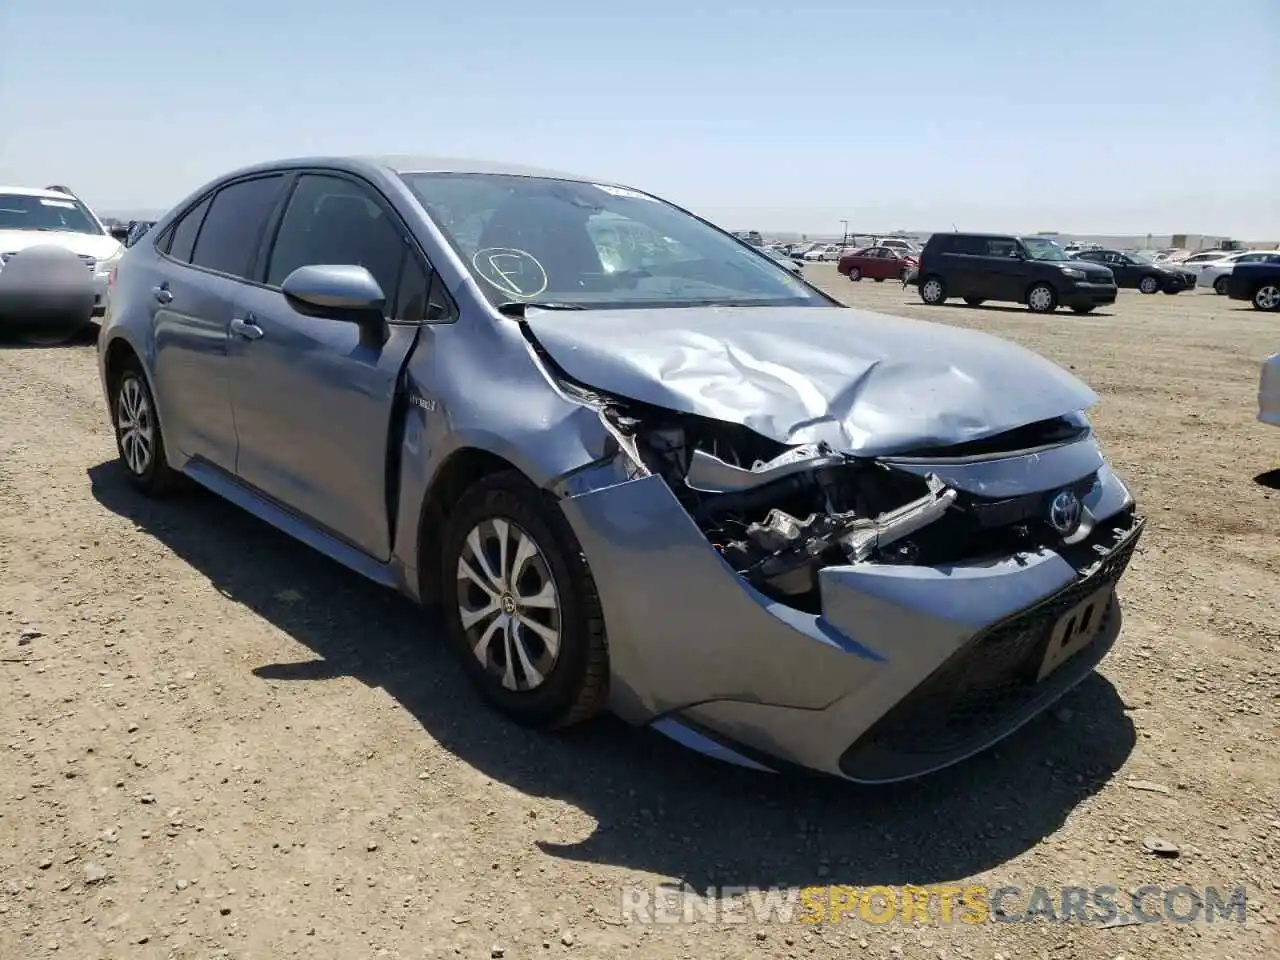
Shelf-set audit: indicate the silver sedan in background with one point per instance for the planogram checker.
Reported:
(676, 481)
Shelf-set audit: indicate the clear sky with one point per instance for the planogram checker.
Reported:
(1090, 116)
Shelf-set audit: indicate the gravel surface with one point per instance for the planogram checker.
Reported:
(219, 744)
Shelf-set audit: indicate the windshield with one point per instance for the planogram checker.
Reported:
(22, 212)
(1039, 248)
(540, 239)
(1139, 257)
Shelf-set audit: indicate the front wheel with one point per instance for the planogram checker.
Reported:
(855, 274)
(521, 604)
(1220, 286)
(933, 292)
(138, 438)
(878, 279)
(1148, 285)
(1267, 297)
(1042, 298)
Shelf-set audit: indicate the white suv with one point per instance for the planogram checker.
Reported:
(31, 217)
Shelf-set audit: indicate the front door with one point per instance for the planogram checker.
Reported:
(1007, 269)
(314, 398)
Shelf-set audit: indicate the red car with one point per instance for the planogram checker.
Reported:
(877, 263)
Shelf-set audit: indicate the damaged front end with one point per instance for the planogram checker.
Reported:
(886, 615)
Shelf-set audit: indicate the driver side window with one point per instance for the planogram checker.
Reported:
(332, 220)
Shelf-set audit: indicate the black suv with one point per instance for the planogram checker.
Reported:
(994, 266)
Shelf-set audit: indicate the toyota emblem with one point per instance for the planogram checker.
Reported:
(1064, 512)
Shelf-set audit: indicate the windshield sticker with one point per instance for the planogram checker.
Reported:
(64, 204)
(515, 272)
(621, 192)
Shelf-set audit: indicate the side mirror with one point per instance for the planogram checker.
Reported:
(120, 233)
(344, 292)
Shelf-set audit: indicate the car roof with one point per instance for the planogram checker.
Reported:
(35, 192)
(419, 163)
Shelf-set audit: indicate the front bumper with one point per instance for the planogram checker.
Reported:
(44, 286)
(1089, 295)
(907, 669)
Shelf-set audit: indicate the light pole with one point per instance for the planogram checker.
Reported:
(845, 239)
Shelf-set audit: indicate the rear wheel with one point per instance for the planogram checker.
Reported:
(521, 604)
(1148, 285)
(1042, 298)
(855, 274)
(975, 301)
(1267, 297)
(933, 291)
(1220, 286)
(138, 438)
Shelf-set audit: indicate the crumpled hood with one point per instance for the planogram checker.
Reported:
(866, 383)
(84, 244)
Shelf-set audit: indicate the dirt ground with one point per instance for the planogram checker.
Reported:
(217, 743)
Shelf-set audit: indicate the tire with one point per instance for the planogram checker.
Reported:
(139, 441)
(1149, 285)
(1042, 298)
(1220, 286)
(878, 279)
(1088, 309)
(933, 291)
(560, 687)
(855, 274)
(975, 301)
(1267, 297)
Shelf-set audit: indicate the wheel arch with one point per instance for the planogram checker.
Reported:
(461, 469)
(1040, 282)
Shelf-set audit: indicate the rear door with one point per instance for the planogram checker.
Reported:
(313, 397)
(209, 252)
(962, 266)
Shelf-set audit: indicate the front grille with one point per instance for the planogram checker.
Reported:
(994, 675)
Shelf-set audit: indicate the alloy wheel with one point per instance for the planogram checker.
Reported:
(1149, 285)
(135, 425)
(1267, 297)
(509, 604)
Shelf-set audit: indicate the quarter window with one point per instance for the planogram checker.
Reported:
(228, 239)
(182, 238)
(332, 220)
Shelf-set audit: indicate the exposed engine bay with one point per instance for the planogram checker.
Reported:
(778, 514)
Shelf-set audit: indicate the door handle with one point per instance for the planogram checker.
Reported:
(162, 293)
(245, 327)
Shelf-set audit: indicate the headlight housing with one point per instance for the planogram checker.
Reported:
(1073, 272)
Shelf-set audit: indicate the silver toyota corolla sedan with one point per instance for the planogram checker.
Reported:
(640, 466)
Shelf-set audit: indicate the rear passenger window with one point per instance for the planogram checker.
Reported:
(233, 226)
(1000, 248)
(973, 246)
(182, 238)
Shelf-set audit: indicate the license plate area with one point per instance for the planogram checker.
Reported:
(1075, 630)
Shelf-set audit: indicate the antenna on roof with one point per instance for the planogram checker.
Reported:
(954, 228)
